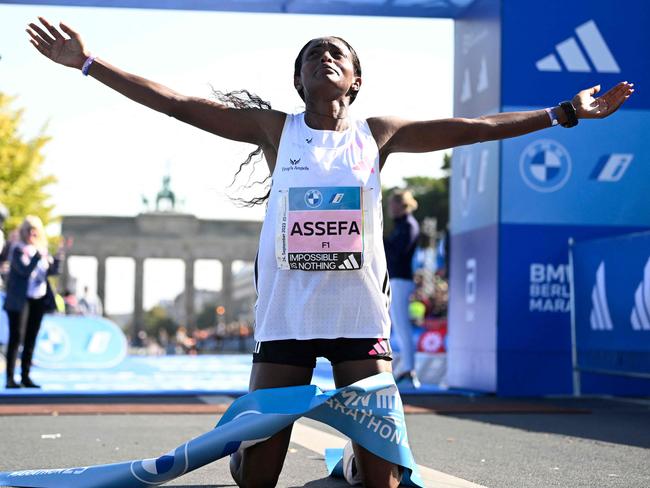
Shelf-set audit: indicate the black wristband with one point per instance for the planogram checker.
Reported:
(570, 113)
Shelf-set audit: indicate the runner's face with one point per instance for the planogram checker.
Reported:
(327, 65)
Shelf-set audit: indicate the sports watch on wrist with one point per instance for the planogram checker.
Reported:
(570, 112)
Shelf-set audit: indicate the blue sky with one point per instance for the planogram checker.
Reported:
(107, 151)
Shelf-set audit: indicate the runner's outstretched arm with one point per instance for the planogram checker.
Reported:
(255, 126)
(398, 135)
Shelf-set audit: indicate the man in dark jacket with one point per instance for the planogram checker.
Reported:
(400, 246)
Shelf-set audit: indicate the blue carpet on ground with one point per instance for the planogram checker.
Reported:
(226, 374)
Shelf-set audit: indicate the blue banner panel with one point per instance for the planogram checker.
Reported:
(399, 8)
(477, 60)
(534, 340)
(593, 174)
(474, 201)
(553, 49)
(472, 310)
(612, 303)
(79, 342)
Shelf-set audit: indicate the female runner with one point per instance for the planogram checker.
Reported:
(321, 270)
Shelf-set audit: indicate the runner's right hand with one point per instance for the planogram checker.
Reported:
(53, 45)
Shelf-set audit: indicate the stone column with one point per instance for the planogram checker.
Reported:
(101, 280)
(65, 275)
(189, 293)
(226, 289)
(138, 309)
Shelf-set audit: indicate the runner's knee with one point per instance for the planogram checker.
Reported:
(375, 471)
(383, 479)
(258, 478)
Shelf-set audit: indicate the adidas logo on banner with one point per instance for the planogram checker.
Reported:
(600, 318)
(572, 56)
(349, 263)
(640, 316)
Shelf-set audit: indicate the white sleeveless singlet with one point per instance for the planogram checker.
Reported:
(321, 267)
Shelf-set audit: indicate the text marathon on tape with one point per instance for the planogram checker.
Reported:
(369, 412)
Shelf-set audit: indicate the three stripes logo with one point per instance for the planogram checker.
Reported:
(591, 54)
(381, 348)
(350, 263)
(640, 316)
(600, 317)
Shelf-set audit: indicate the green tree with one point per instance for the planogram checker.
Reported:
(22, 184)
(207, 317)
(432, 195)
(157, 319)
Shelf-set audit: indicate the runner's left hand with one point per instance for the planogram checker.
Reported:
(589, 107)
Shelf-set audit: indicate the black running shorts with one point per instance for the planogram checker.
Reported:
(304, 353)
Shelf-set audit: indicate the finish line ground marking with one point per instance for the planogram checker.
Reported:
(317, 441)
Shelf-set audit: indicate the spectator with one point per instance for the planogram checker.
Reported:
(424, 256)
(400, 246)
(71, 304)
(28, 284)
(90, 304)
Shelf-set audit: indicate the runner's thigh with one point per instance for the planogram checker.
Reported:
(348, 372)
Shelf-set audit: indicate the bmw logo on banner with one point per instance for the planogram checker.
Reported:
(545, 165)
(160, 470)
(53, 343)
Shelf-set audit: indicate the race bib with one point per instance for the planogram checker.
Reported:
(321, 229)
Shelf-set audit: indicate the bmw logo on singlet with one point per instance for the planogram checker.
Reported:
(313, 198)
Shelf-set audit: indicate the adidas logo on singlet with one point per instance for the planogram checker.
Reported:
(349, 263)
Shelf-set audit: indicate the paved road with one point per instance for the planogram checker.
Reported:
(607, 445)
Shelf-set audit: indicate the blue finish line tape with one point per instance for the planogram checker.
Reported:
(369, 412)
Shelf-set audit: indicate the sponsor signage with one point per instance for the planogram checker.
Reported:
(587, 45)
(321, 229)
(477, 64)
(585, 182)
(472, 333)
(593, 174)
(534, 340)
(69, 342)
(612, 303)
(474, 187)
